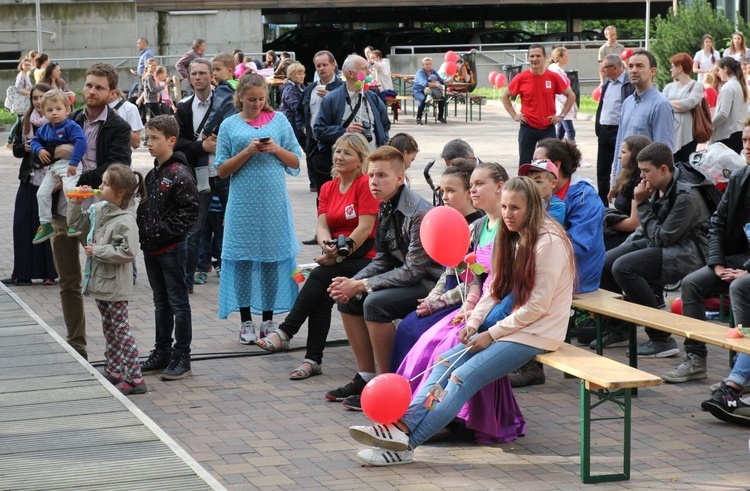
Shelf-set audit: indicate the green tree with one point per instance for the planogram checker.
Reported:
(682, 33)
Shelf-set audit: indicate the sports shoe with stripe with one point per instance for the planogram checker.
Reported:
(382, 457)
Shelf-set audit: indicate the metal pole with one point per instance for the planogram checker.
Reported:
(38, 27)
(648, 21)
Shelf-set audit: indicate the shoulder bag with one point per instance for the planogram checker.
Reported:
(703, 130)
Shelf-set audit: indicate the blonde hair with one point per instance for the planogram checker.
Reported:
(358, 144)
(226, 59)
(54, 95)
(557, 53)
(292, 69)
(248, 81)
(122, 179)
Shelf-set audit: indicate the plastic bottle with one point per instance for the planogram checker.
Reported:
(81, 192)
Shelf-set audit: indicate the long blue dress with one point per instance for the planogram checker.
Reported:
(260, 247)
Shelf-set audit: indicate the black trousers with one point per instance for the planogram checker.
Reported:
(605, 154)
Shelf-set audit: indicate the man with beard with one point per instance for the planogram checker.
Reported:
(108, 142)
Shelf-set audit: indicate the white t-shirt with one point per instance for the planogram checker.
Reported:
(705, 62)
(129, 112)
(738, 56)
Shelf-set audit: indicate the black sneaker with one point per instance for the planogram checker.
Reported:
(721, 392)
(353, 388)
(353, 403)
(157, 361)
(178, 368)
(615, 338)
(730, 408)
(531, 373)
(584, 331)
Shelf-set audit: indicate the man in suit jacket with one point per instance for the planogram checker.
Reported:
(607, 120)
(192, 114)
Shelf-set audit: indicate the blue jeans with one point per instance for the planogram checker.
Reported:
(527, 140)
(739, 293)
(166, 275)
(566, 126)
(474, 370)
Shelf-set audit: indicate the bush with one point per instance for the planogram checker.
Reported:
(682, 33)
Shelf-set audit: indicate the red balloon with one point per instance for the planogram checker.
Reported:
(500, 81)
(450, 68)
(627, 53)
(676, 306)
(492, 77)
(451, 56)
(445, 235)
(597, 94)
(386, 398)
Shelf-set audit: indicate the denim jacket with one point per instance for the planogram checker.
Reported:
(410, 264)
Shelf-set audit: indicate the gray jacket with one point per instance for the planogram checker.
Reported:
(109, 271)
(409, 264)
(677, 222)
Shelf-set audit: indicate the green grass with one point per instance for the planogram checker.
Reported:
(6, 117)
(586, 105)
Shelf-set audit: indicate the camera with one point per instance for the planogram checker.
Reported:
(343, 245)
(366, 132)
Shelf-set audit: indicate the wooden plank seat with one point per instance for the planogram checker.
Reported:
(606, 304)
(608, 381)
(404, 99)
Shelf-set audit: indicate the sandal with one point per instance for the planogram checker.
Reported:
(267, 345)
(317, 369)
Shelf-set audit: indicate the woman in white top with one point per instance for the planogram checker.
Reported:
(731, 108)
(381, 67)
(684, 94)
(555, 63)
(737, 49)
(23, 86)
(706, 58)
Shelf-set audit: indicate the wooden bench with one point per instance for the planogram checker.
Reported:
(606, 304)
(610, 382)
(404, 99)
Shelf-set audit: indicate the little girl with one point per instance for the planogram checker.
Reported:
(111, 246)
(166, 100)
(152, 88)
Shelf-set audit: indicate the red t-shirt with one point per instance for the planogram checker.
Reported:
(343, 210)
(537, 96)
(710, 94)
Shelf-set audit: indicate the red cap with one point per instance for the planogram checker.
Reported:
(541, 164)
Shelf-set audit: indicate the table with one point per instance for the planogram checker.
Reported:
(404, 82)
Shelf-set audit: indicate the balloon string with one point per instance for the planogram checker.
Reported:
(459, 354)
(461, 288)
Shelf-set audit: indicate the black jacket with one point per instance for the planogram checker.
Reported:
(625, 91)
(302, 117)
(171, 205)
(187, 142)
(726, 234)
(112, 146)
(19, 151)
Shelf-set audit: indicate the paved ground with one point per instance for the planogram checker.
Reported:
(252, 428)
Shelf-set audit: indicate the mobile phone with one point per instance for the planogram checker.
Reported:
(265, 139)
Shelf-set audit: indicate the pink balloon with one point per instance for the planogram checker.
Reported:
(361, 76)
(500, 81)
(451, 56)
(492, 77)
(445, 235)
(450, 68)
(386, 398)
(597, 94)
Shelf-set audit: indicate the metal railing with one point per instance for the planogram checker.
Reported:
(496, 47)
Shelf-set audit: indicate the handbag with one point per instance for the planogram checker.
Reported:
(15, 102)
(703, 130)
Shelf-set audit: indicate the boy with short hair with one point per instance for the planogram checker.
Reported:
(544, 174)
(164, 218)
(57, 131)
(222, 67)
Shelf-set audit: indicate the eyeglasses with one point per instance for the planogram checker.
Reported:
(604, 67)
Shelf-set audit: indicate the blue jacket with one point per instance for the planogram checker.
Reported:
(302, 120)
(327, 129)
(66, 132)
(221, 108)
(584, 222)
(421, 79)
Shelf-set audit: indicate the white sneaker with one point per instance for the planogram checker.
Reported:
(266, 328)
(247, 333)
(382, 436)
(381, 457)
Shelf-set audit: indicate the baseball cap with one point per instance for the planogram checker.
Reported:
(540, 164)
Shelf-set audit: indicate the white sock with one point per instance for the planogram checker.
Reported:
(367, 376)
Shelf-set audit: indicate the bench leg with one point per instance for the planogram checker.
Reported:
(632, 344)
(603, 395)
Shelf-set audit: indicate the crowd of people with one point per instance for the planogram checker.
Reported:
(220, 159)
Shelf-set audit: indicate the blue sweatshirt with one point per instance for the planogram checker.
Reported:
(66, 132)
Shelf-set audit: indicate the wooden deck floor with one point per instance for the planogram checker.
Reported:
(62, 426)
